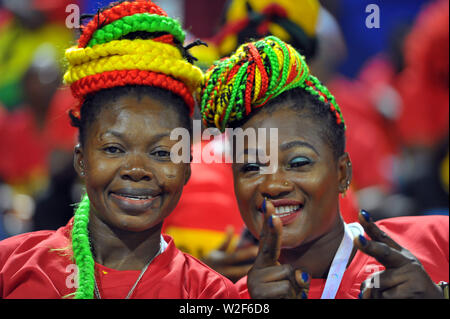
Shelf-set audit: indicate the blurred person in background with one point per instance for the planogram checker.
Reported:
(423, 122)
(363, 42)
(38, 145)
(26, 25)
(393, 110)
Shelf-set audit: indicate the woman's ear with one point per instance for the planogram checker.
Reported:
(345, 172)
(78, 161)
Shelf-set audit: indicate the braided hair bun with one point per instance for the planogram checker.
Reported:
(255, 74)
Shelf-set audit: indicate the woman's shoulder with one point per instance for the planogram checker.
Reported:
(426, 237)
(415, 227)
(33, 242)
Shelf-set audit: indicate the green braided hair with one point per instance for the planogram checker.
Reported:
(258, 72)
(82, 252)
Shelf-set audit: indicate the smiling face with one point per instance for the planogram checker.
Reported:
(131, 182)
(306, 185)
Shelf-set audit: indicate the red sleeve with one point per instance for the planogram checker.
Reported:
(241, 286)
(206, 283)
(426, 237)
(29, 269)
(221, 288)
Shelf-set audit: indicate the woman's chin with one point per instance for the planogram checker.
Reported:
(135, 223)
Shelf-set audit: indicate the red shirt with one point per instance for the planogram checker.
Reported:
(29, 269)
(426, 237)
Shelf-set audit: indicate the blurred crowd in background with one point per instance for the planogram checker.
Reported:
(391, 82)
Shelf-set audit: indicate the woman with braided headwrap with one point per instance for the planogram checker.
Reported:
(134, 83)
(306, 249)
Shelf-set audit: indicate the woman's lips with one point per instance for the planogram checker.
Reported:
(132, 203)
(287, 210)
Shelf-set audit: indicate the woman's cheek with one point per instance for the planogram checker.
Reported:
(171, 176)
(172, 179)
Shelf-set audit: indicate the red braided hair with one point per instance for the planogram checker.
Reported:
(105, 80)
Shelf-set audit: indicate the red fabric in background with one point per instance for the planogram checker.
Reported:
(424, 84)
(26, 146)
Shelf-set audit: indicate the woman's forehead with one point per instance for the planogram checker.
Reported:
(289, 124)
(145, 113)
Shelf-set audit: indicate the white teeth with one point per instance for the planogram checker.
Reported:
(286, 210)
(138, 197)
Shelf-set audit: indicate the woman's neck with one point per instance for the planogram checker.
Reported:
(316, 256)
(122, 250)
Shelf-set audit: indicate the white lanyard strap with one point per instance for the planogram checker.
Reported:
(339, 264)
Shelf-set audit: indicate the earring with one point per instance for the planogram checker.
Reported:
(347, 185)
(82, 173)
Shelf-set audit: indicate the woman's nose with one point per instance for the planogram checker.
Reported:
(275, 186)
(136, 169)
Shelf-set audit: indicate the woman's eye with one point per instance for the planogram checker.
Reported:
(250, 168)
(161, 153)
(299, 161)
(112, 150)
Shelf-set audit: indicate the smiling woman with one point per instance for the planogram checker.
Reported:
(306, 249)
(135, 84)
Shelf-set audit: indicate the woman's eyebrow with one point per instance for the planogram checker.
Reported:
(287, 145)
(121, 135)
(113, 133)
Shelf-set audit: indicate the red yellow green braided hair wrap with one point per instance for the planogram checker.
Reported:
(255, 74)
(104, 59)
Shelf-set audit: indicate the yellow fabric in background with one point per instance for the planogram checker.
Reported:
(17, 47)
(198, 242)
(304, 13)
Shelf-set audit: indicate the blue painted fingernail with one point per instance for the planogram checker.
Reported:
(362, 240)
(305, 277)
(270, 221)
(366, 215)
(264, 208)
(360, 295)
(304, 295)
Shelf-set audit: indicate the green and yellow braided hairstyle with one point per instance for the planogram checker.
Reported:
(130, 46)
(260, 73)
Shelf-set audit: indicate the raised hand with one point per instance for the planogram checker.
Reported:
(404, 276)
(267, 279)
(233, 263)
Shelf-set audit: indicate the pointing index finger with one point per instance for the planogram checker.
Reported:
(387, 256)
(375, 232)
(270, 238)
